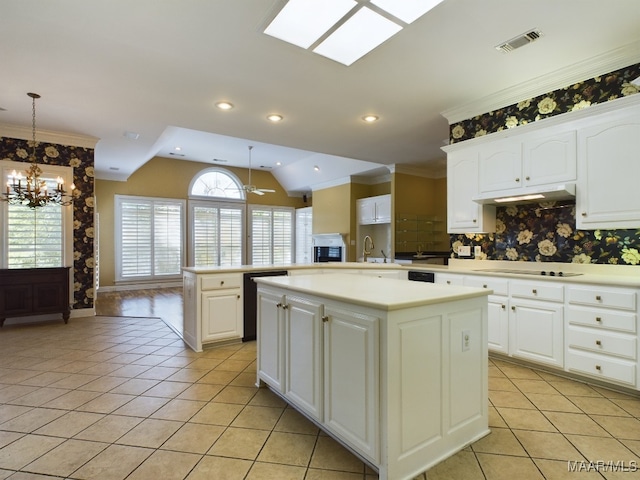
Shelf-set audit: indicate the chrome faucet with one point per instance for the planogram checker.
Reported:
(365, 252)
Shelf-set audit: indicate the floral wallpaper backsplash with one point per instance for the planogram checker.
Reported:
(545, 232)
(81, 159)
(574, 97)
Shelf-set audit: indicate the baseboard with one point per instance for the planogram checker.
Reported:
(139, 286)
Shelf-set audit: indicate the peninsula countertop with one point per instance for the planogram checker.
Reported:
(380, 293)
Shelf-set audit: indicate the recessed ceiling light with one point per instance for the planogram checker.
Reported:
(316, 168)
(370, 118)
(114, 168)
(131, 135)
(278, 164)
(177, 149)
(274, 117)
(302, 22)
(356, 37)
(224, 105)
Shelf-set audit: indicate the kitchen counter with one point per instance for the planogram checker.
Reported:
(396, 371)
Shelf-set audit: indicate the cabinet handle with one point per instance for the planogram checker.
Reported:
(598, 298)
(598, 319)
(517, 179)
(584, 214)
(221, 282)
(484, 286)
(504, 307)
(285, 306)
(238, 297)
(527, 178)
(599, 343)
(598, 367)
(534, 291)
(325, 319)
(474, 220)
(513, 308)
(448, 282)
(278, 305)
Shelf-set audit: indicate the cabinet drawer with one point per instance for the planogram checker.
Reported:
(449, 279)
(216, 282)
(601, 318)
(599, 366)
(537, 290)
(603, 297)
(609, 343)
(500, 286)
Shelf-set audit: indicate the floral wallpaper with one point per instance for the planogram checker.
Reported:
(574, 97)
(81, 159)
(545, 232)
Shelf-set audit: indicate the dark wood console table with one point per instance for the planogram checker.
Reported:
(34, 291)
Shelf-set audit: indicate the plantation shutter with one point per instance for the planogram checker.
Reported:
(217, 235)
(304, 226)
(271, 235)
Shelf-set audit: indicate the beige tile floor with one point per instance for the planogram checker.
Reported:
(122, 397)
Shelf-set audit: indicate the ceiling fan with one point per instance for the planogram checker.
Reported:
(252, 188)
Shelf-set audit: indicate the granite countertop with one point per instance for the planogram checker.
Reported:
(379, 293)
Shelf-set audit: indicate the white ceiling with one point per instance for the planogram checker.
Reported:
(156, 67)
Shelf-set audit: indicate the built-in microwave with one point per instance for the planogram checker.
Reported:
(329, 247)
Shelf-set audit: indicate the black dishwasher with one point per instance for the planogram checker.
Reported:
(250, 294)
(419, 276)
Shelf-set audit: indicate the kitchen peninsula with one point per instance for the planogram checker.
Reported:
(395, 370)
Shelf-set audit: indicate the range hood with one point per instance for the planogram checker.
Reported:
(543, 193)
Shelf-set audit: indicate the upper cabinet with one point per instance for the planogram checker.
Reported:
(530, 160)
(463, 214)
(373, 210)
(609, 168)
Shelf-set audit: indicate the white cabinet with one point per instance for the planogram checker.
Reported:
(602, 333)
(532, 159)
(270, 331)
(221, 307)
(351, 378)
(449, 278)
(536, 322)
(374, 210)
(463, 214)
(608, 195)
(498, 313)
(303, 354)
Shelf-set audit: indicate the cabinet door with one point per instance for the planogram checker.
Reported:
(608, 195)
(537, 332)
(383, 209)
(500, 165)
(549, 159)
(463, 214)
(303, 357)
(366, 208)
(351, 378)
(270, 332)
(498, 324)
(221, 315)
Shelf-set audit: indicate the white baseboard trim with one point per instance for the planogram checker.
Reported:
(139, 286)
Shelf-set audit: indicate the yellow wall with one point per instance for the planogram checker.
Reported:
(168, 178)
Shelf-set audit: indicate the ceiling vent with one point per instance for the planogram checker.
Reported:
(519, 41)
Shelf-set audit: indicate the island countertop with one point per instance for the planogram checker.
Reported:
(381, 293)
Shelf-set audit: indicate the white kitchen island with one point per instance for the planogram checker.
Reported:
(394, 370)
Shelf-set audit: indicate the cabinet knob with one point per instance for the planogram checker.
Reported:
(238, 297)
(475, 221)
(598, 319)
(325, 319)
(598, 298)
(517, 179)
(527, 178)
(584, 214)
(504, 307)
(278, 305)
(221, 282)
(598, 367)
(285, 306)
(448, 282)
(534, 291)
(484, 286)
(513, 308)
(599, 343)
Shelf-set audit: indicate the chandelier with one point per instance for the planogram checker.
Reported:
(31, 190)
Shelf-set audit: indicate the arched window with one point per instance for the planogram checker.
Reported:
(215, 182)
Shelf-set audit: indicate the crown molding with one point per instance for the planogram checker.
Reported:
(48, 136)
(584, 70)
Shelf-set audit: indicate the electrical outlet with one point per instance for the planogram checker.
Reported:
(464, 251)
(466, 340)
(477, 251)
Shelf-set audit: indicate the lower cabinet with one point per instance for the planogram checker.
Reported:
(221, 314)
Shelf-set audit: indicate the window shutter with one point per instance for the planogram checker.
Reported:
(167, 219)
(136, 238)
(217, 235)
(271, 235)
(304, 225)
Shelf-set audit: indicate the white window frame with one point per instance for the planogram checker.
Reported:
(48, 171)
(118, 201)
(291, 210)
(303, 238)
(211, 203)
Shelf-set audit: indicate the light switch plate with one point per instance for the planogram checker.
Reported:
(477, 251)
(464, 251)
